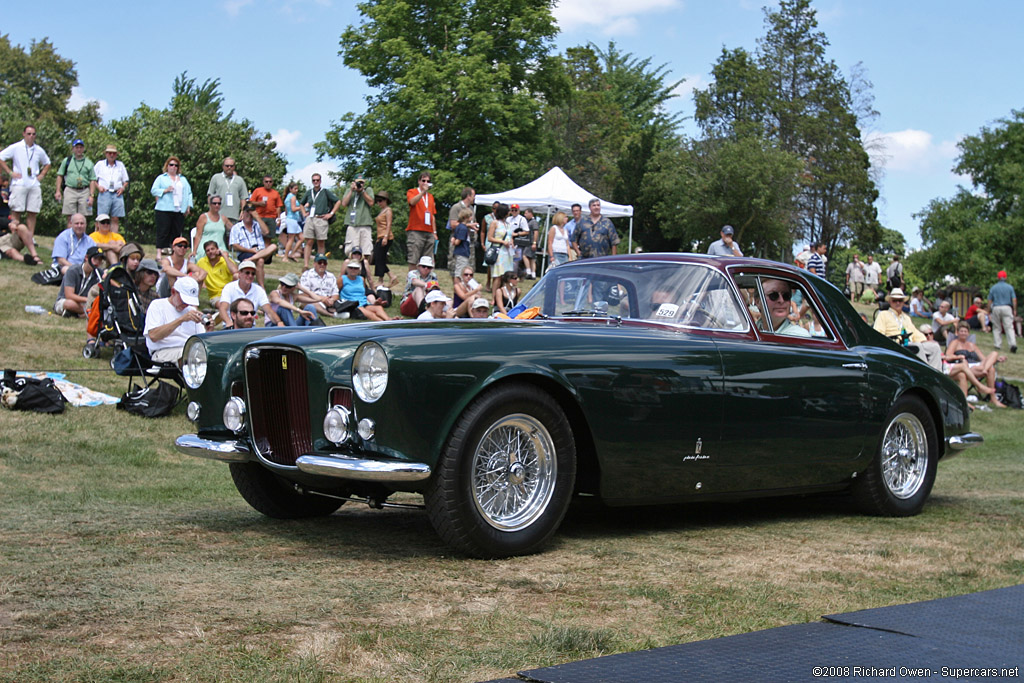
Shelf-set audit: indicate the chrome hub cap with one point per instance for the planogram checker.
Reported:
(513, 472)
(904, 456)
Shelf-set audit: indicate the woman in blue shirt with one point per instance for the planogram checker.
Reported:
(173, 202)
(354, 289)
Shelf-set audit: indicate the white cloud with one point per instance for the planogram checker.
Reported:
(613, 17)
(234, 7)
(79, 99)
(693, 82)
(324, 168)
(288, 142)
(910, 150)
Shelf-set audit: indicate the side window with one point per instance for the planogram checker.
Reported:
(781, 306)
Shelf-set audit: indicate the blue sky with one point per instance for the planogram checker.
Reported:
(941, 69)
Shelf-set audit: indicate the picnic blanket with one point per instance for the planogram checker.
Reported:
(76, 394)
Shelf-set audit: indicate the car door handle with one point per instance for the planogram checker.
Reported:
(856, 366)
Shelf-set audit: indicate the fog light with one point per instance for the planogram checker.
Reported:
(234, 414)
(192, 412)
(336, 425)
(367, 429)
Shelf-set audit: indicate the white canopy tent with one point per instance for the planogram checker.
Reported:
(555, 191)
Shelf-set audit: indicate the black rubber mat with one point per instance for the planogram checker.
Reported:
(967, 638)
(990, 619)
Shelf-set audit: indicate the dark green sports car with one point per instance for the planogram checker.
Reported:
(655, 378)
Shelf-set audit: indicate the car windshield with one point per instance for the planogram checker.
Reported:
(686, 294)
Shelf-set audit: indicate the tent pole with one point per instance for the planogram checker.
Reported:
(543, 241)
(630, 234)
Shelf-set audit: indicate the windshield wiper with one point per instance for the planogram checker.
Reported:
(585, 311)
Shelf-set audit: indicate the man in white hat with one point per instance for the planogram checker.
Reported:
(245, 287)
(416, 283)
(436, 303)
(895, 323)
(171, 321)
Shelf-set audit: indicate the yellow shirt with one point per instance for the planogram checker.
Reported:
(216, 276)
(891, 325)
(111, 237)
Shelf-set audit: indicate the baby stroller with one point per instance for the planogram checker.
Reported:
(116, 318)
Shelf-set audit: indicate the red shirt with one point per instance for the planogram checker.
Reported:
(971, 312)
(418, 212)
(274, 202)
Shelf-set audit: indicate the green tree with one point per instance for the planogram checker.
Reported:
(701, 185)
(791, 96)
(459, 86)
(194, 129)
(35, 85)
(973, 234)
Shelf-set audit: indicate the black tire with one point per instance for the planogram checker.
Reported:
(274, 497)
(469, 498)
(901, 475)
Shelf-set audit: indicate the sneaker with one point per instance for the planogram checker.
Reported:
(31, 260)
(343, 316)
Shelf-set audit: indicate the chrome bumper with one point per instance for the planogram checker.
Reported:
(339, 466)
(963, 441)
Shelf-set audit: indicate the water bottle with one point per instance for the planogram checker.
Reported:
(39, 310)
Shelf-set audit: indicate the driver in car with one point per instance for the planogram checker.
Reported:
(778, 294)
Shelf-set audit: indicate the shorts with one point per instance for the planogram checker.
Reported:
(316, 228)
(974, 323)
(76, 201)
(110, 204)
(271, 224)
(409, 308)
(419, 243)
(28, 199)
(461, 263)
(58, 308)
(243, 255)
(358, 236)
(11, 241)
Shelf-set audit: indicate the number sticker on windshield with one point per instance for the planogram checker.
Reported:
(666, 311)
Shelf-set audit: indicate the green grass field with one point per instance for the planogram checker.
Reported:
(125, 561)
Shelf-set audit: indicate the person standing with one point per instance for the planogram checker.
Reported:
(173, 202)
(1004, 312)
(111, 184)
(467, 202)
(558, 240)
(595, 235)
(461, 241)
(231, 188)
(484, 243)
(268, 204)
(872, 274)
(320, 206)
(816, 264)
(421, 232)
(30, 165)
(855, 277)
(357, 200)
(385, 237)
(76, 181)
(894, 273)
(291, 221)
(530, 250)
(726, 246)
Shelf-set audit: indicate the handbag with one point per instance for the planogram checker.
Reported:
(50, 276)
(29, 393)
(157, 400)
(491, 255)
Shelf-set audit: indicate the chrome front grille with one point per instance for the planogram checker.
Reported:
(278, 403)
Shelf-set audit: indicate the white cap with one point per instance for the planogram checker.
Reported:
(354, 264)
(436, 295)
(188, 288)
(247, 264)
(427, 261)
(480, 303)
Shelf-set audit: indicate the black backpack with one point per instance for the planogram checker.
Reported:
(1008, 394)
(156, 400)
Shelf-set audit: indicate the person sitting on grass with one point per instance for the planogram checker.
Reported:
(506, 292)
(286, 303)
(106, 239)
(353, 288)
(436, 303)
(146, 276)
(17, 239)
(219, 269)
(962, 350)
(320, 288)
(977, 315)
(78, 280)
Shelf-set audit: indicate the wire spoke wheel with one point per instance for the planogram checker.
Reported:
(513, 472)
(904, 456)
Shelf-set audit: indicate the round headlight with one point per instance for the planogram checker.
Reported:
(370, 372)
(336, 425)
(193, 411)
(194, 366)
(234, 414)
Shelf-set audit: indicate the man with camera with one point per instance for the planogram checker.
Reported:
(356, 204)
(171, 321)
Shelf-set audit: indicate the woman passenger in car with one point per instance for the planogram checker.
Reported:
(778, 295)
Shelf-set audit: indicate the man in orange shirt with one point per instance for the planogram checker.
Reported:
(268, 204)
(421, 235)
